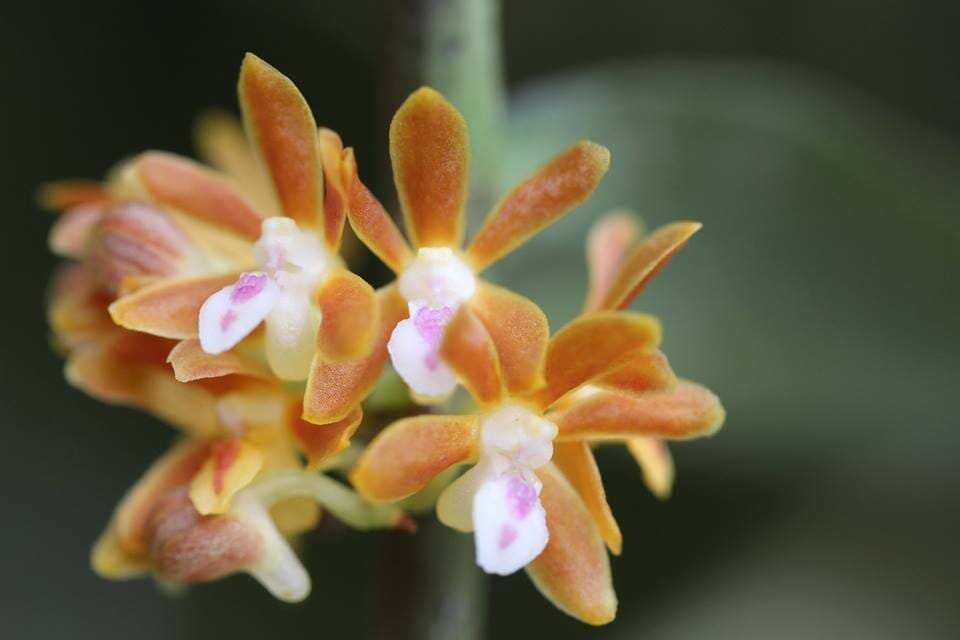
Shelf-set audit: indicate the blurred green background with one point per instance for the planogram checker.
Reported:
(817, 141)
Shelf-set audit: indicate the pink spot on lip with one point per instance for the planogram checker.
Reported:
(430, 323)
(228, 319)
(247, 287)
(508, 533)
(520, 498)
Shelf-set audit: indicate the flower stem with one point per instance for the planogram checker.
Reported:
(430, 586)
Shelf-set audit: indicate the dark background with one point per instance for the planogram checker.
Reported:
(816, 139)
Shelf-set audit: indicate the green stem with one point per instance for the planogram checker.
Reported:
(430, 586)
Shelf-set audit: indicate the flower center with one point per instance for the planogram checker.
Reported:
(294, 258)
(434, 286)
(515, 438)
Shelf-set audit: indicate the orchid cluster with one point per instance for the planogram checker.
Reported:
(216, 298)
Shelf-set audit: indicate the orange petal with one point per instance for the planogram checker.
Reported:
(656, 463)
(231, 466)
(323, 441)
(335, 388)
(573, 572)
(645, 261)
(169, 308)
(335, 194)
(576, 461)
(72, 231)
(469, 351)
(370, 221)
(430, 153)
(174, 469)
(591, 346)
(222, 144)
(409, 453)
(645, 373)
(189, 187)
(350, 317)
(607, 245)
(519, 330)
(66, 194)
(190, 363)
(281, 127)
(538, 201)
(77, 309)
(688, 411)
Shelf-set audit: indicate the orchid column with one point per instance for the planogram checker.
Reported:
(452, 46)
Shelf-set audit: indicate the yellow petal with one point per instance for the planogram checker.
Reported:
(371, 222)
(519, 330)
(408, 454)
(231, 466)
(576, 461)
(350, 317)
(573, 572)
(469, 351)
(537, 202)
(645, 261)
(430, 153)
(169, 308)
(687, 411)
(335, 388)
(609, 241)
(283, 131)
(591, 346)
(222, 144)
(189, 187)
(656, 463)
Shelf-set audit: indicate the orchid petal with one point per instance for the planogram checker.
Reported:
(330, 148)
(232, 313)
(72, 231)
(168, 308)
(323, 441)
(573, 572)
(576, 461)
(520, 331)
(231, 466)
(591, 346)
(405, 456)
(283, 131)
(335, 388)
(609, 241)
(430, 154)
(63, 195)
(469, 351)
(455, 504)
(291, 339)
(656, 463)
(645, 373)
(540, 200)
(687, 411)
(190, 362)
(509, 521)
(371, 222)
(646, 261)
(194, 190)
(414, 348)
(350, 317)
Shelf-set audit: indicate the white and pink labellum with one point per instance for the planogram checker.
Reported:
(434, 286)
(499, 498)
(292, 263)
(510, 525)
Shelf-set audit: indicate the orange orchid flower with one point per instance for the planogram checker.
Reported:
(430, 154)
(524, 510)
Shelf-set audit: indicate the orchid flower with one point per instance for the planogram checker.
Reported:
(523, 510)
(429, 148)
(156, 529)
